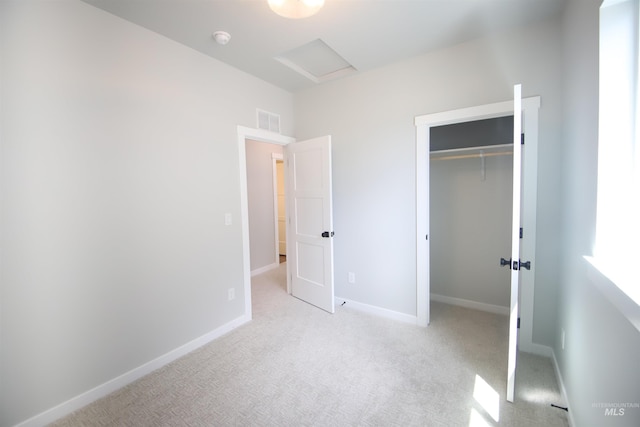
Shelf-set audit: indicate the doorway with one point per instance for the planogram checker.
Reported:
(245, 134)
(471, 181)
(530, 107)
(309, 217)
(262, 186)
(280, 212)
(522, 219)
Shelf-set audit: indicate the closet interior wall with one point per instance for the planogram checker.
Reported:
(471, 177)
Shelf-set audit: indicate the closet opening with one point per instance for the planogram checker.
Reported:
(471, 179)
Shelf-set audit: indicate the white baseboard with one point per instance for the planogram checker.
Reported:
(110, 386)
(378, 311)
(264, 269)
(563, 390)
(496, 309)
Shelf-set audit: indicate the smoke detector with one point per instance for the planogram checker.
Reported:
(221, 37)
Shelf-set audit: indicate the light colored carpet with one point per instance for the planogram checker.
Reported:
(295, 365)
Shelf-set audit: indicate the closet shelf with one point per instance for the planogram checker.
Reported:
(471, 152)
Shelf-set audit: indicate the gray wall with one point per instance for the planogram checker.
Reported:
(600, 362)
(260, 198)
(119, 162)
(470, 229)
(370, 117)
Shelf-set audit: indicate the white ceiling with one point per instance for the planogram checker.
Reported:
(366, 33)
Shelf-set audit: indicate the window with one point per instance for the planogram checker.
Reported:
(617, 248)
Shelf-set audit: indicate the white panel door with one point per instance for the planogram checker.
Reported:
(310, 232)
(515, 243)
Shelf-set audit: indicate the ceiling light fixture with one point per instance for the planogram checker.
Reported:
(295, 9)
(221, 37)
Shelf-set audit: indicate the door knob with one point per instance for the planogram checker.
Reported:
(327, 234)
(517, 265)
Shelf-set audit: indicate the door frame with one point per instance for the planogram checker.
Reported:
(423, 123)
(244, 133)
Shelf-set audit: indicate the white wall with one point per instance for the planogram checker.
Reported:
(370, 117)
(119, 161)
(260, 197)
(599, 363)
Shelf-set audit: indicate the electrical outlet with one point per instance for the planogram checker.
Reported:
(562, 338)
(227, 219)
(352, 277)
(232, 294)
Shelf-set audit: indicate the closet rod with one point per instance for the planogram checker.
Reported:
(470, 156)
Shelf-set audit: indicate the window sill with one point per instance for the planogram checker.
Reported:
(629, 308)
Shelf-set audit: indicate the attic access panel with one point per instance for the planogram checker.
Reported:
(474, 134)
(316, 61)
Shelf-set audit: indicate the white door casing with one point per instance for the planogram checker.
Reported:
(310, 225)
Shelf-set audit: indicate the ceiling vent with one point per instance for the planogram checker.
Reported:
(268, 121)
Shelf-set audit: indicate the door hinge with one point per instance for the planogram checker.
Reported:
(518, 323)
(521, 232)
(426, 237)
(522, 139)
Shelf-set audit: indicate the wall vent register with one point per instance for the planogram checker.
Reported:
(268, 121)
